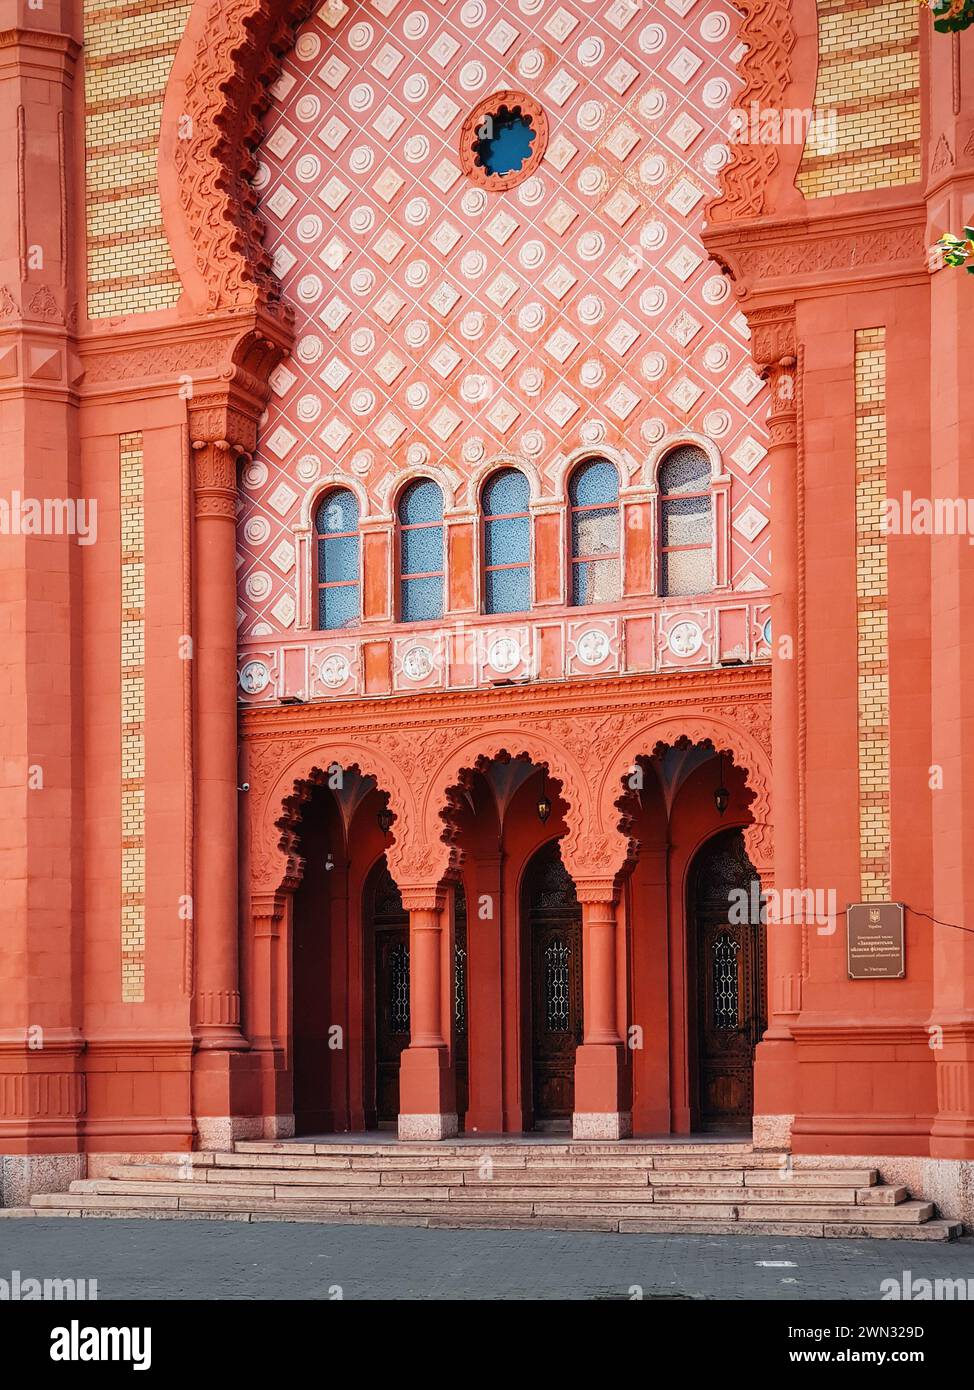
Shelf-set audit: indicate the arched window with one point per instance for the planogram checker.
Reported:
(593, 494)
(337, 545)
(507, 543)
(421, 552)
(686, 523)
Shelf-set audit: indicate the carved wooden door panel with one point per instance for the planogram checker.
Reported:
(556, 992)
(391, 1016)
(460, 960)
(730, 988)
(390, 925)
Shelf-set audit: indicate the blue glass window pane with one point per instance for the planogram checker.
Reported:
(338, 607)
(686, 572)
(422, 550)
(687, 521)
(422, 501)
(595, 532)
(338, 511)
(337, 559)
(507, 542)
(593, 484)
(595, 581)
(506, 493)
(508, 591)
(685, 470)
(422, 599)
(504, 141)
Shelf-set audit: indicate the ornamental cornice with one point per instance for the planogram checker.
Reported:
(795, 256)
(739, 697)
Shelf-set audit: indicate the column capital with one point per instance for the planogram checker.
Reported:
(423, 897)
(267, 911)
(592, 891)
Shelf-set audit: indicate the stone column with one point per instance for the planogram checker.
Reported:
(775, 1062)
(603, 1103)
(268, 913)
(485, 995)
(42, 1084)
(226, 1086)
(217, 993)
(427, 1091)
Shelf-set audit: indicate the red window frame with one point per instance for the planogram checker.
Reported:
(320, 583)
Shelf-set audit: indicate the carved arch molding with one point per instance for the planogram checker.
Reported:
(232, 52)
(421, 767)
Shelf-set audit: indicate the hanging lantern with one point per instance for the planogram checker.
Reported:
(721, 795)
(384, 818)
(544, 803)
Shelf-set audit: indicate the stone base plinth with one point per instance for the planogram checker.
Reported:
(772, 1131)
(609, 1125)
(431, 1127)
(221, 1132)
(21, 1175)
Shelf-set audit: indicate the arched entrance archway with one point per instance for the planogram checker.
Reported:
(551, 943)
(726, 982)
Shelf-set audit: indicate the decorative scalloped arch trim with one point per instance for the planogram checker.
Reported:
(658, 453)
(496, 464)
(275, 861)
(231, 53)
(741, 746)
(332, 483)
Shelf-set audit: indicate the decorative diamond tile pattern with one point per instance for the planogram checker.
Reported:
(438, 321)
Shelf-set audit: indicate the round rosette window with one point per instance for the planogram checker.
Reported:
(503, 140)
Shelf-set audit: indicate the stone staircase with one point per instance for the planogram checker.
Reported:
(634, 1186)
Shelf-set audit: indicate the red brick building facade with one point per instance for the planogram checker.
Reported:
(474, 583)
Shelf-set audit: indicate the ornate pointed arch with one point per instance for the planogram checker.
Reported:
(282, 779)
(230, 54)
(589, 851)
(749, 749)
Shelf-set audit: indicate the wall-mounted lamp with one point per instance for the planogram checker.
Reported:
(544, 802)
(721, 795)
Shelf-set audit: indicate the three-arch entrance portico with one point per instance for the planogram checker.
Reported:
(495, 929)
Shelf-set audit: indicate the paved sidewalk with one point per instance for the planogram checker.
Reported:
(225, 1259)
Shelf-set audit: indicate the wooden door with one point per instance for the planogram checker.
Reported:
(730, 995)
(390, 924)
(555, 925)
(460, 961)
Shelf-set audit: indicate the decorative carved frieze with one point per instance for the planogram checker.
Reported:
(423, 750)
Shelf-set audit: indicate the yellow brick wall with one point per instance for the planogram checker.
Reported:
(132, 660)
(869, 84)
(128, 54)
(872, 616)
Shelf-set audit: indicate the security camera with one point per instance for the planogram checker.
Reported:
(244, 787)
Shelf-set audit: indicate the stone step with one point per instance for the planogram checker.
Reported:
(815, 1177)
(472, 1159)
(658, 1218)
(884, 1196)
(798, 1195)
(607, 1201)
(931, 1230)
(473, 1148)
(909, 1213)
(596, 1177)
(310, 1186)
